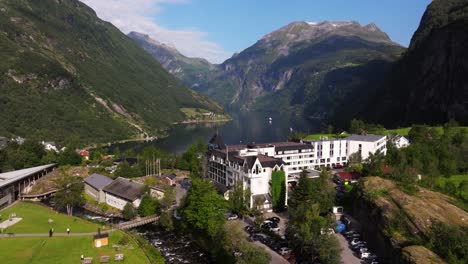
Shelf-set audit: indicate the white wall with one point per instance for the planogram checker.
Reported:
(115, 201)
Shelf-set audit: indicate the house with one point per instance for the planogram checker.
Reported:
(100, 240)
(157, 191)
(84, 153)
(94, 186)
(399, 141)
(49, 146)
(169, 178)
(122, 191)
(349, 176)
(222, 190)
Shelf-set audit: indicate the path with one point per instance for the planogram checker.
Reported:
(347, 255)
(8, 235)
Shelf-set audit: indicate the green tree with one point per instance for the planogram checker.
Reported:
(128, 211)
(70, 192)
(278, 189)
(124, 170)
(357, 126)
(204, 208)
(166, 220)
(168, 198)
(69, 157)
(148, 206)
(239, 199)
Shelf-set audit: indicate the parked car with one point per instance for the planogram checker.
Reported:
(274, 219)
(355, 242)
(284, 250)
(233, 217)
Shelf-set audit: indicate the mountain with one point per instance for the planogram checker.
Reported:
(192, 71)
(304, 66)
(430, 82)
(66, 73)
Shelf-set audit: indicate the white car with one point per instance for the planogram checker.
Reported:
(355, 241)
(233, 217)
(284, 250)
(274, 229)
(365, 255)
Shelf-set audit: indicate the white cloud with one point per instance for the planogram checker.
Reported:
(138, 15)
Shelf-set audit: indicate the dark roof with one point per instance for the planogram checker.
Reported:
(292, 146)
(269, 162)
(250, 160)
(349, 175)
(368, 138)
(98, 181)
(98, 236)
(216, 139)
(170, 175)
(125, 189)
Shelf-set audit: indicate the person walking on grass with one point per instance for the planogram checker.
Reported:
(68, 230)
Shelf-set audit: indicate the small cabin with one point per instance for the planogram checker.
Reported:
(101, 240)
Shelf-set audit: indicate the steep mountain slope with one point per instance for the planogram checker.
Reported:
(294, 67)
(191, 71)
(65, 72)
(430, 83)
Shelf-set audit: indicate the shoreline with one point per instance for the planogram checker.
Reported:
(153, 138)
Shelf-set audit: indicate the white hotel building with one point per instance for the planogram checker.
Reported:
(253, 164)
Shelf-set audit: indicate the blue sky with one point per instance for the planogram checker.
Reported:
(215, 29)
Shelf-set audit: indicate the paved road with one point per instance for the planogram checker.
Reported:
(47, 234)
(347, 256)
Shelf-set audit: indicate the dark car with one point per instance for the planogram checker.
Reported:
(274, 219)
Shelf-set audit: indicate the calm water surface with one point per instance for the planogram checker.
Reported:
(244, 128)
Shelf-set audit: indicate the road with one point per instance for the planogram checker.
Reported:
(347, 256)
(275, 257)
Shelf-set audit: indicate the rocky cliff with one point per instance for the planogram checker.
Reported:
(398, 224)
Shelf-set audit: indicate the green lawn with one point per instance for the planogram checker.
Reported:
(405, 130)
(35, 220)
(32, 250)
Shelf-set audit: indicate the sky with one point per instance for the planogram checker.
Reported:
(215, 29)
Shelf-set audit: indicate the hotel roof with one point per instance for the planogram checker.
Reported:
(368, 138)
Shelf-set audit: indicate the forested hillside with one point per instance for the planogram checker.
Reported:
(64, 72)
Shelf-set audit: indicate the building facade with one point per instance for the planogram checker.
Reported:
(94, 186)
(122, 191)
(253, 164)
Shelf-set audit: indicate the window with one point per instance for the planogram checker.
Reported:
(264, 170)
(328, 160)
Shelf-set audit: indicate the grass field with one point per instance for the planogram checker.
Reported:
(405, 130)
(38, 250)
(35, 220)
(63, 249)
(455, 179)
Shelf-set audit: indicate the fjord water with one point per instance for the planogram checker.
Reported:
(243, 128)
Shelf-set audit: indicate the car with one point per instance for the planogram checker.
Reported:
(258, 237)
(367, 255)
(274, 219)
(338, 166)
(284, 250)
(233, 217)
(274, 229)
(350, 232)
(351, 236)
(355, 242)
